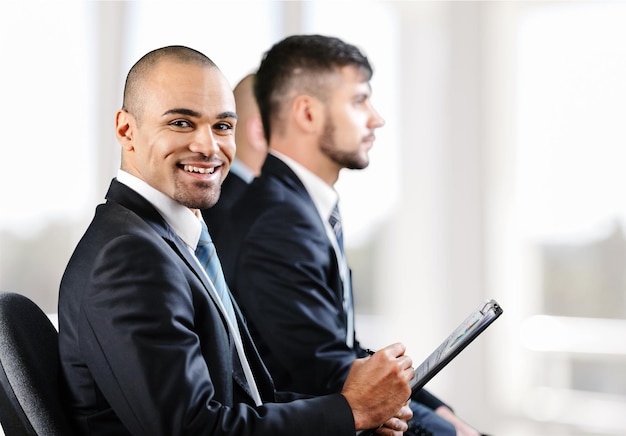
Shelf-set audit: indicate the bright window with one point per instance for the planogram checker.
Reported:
(46, 164)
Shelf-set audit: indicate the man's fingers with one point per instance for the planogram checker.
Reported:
(393, 426)
(394, 350)
(405, 413)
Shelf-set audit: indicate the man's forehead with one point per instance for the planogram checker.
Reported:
(190, 74)
(351, 80)
(191, 86)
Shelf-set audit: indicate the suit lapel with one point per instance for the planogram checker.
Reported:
(130, 199)
(281, 171)
(238, 373)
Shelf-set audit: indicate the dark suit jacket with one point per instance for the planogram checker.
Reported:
(282, 270)
(144, 349)
(232, 188)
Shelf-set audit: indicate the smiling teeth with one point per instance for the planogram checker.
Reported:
(193, 169)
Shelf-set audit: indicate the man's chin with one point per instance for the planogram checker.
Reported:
(199, 202)
(358, 165)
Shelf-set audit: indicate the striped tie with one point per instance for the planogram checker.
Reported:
(335, 223)
(206, 254)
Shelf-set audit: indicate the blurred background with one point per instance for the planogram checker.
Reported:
(499, 174)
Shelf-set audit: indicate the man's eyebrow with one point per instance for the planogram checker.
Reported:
(182, 111)
(227, 114)
(192, 113)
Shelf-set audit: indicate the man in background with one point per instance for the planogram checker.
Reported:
(249, 136)
(282, 248)
(249, 155)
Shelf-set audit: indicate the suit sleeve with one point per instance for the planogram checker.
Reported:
(140, 340)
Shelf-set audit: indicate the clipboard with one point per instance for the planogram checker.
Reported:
(476, 323)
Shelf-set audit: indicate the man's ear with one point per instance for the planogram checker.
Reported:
(124, 125)
(308, 113)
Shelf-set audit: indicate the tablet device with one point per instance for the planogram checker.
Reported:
(461, 337)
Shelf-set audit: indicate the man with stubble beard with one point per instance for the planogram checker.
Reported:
(282, 247)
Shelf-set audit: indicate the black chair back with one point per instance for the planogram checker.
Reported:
(30, 394)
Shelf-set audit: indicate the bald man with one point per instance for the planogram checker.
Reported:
(148, 344)
(249, 138)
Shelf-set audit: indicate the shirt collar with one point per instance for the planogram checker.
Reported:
(324, 197)
(184, 221)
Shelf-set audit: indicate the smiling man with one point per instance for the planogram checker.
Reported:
(183, 152)
(150, 341)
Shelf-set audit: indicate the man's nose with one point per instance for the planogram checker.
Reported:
(204, 142)
(376, 120)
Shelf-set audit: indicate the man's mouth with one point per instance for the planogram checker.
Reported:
(199, 170)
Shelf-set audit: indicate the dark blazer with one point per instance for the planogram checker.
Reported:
(232, 188)
(282, 270)
(144, 349)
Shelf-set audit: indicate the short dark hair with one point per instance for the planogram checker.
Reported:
(302, 61)
(132, 95)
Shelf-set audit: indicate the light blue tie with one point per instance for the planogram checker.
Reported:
(206, 254)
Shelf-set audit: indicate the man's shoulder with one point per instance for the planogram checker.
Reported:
(277, 183)
(115, 219)
(114, 223)
(270, 196)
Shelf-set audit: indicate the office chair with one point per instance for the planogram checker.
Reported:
(30, 394)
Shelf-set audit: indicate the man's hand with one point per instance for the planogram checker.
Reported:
(399, 423)
(377, 388)
(462, 429)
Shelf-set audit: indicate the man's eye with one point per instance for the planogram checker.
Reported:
(223, 126)
(181, 123)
